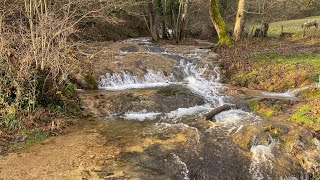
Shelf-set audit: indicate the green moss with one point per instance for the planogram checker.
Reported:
(267, 112)
(219, 24)
(91, 81)
(278, 106)
(32, 137)
(304, 115)
(265, 108)
(241, 79)
(253, 105)
(274, 131)
(69, 91)
(278, 72)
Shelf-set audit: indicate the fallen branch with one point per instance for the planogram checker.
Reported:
(215, 111)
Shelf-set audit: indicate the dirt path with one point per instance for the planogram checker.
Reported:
(75, 155)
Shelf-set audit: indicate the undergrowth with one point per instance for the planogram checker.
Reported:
(36, 58)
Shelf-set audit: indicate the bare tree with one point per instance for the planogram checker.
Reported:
(166, 18)
(239, 24)
(183, 9)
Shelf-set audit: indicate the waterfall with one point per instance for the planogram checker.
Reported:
(127, 80)
(203, 81)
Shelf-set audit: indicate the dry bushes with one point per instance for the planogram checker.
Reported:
(35, 56)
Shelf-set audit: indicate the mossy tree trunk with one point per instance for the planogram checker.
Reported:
(219, 24)
(239, 25)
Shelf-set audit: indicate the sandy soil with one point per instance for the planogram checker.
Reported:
(74, 155)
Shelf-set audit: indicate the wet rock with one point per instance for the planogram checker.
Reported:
(129, 49)
(104, 173)
(261, 139)
(84, 81)
(167, 99)
(154, 48)
(282, 128)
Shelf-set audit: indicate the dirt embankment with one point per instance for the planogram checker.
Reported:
(277, 65)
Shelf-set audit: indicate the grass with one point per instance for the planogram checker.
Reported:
(311, 58)
(32, 137)
(304, 115)
(290, 26)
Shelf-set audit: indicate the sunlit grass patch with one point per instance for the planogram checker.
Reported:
(289, 26)
(303, 115)
(311, 59)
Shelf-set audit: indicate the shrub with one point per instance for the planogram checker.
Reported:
(34, 56)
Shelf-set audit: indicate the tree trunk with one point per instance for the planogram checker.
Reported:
(183, 8)
(265, 29)
(150, 19)
(164, 19)
(239, 25)
(219, 24)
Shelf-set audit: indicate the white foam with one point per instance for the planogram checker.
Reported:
(203, 83)
(202, 80)
(261, 162)
(141, 116)
(135, 86)
(188, 111)
(235, 118)
(285, 95)
(126, 80)
(312, 161)
(290, 93)
(184, 168)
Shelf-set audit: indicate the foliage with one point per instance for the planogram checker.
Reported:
(91, 81)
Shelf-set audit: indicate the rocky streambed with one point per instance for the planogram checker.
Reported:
(146, 121)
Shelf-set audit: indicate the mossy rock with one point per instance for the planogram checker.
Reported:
(69, 91)
(91, 82)
(266, 108)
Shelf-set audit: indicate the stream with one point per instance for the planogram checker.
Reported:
(147, 121)
(159, 125)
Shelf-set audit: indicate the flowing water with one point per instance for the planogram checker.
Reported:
(179, 143)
